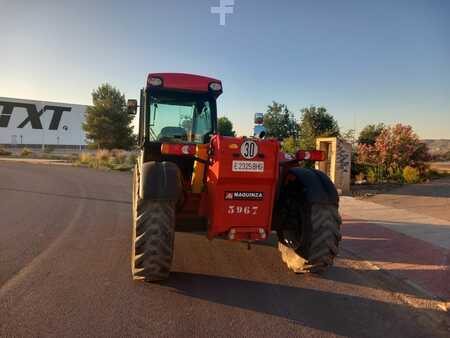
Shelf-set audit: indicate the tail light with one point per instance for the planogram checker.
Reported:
(247, 234)
(178, 149)
(311, 155)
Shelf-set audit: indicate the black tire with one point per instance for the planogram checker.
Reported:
(153, 239)
(313, 241)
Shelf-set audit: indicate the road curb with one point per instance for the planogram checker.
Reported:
(36, 161)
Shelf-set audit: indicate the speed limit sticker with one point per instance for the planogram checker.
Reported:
(249, 149)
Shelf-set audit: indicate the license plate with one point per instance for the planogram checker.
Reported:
(248, 166)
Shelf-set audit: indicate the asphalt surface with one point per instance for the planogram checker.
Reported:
(431, 198)
(64, 272)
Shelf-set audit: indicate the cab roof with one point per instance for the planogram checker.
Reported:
(182, 81)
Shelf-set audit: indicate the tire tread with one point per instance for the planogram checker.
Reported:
(153, 240)
(319, 254)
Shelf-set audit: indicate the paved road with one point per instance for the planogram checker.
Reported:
(432, 198)
(64, 271)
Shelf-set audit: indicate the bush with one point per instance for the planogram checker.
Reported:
(4, 152)
(360, 177)
(411, 175)
(372, 176)
(49, 149)
(116, 159)
(395, 174)
(122, 161)
(290, 145)
(131, 160)
(395, 148)
(119, 156)
(26, 152)
(370, 133)
(102, 159)
(359, 168)
(84, 157)
(102, 155)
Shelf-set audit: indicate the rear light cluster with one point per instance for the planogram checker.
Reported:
(178, 149)
(312, 155)
(155, 81)
(247, 234)
(215, 86)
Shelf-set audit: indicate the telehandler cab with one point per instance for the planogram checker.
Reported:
(190, 178)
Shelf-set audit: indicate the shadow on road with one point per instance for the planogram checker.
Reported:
(303, 306)
(346, 274)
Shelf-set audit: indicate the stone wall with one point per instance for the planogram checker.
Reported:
(338, 161)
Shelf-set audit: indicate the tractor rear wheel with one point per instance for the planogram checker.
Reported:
(312, 241)
(153, 239)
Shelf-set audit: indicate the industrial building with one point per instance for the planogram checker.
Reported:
(36, 123)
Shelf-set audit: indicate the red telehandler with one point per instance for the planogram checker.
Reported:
(190, 178)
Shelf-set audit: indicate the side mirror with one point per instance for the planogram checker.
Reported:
(259, 131)
(132, 107)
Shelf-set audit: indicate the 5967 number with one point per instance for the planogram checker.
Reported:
(246, 210)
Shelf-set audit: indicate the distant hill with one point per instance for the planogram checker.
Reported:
(438, 146)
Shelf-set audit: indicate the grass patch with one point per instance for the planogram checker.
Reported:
(4, 152)
(115, 159)
(26, 152)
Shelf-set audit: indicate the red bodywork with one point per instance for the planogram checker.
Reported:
(237, 204)
(240, 204)
(188, 82)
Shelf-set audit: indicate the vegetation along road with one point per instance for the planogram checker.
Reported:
(65, 271)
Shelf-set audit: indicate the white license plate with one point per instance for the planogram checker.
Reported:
(248, 166)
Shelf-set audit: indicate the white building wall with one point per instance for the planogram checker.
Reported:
(39, 122)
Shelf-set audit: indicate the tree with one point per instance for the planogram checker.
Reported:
(225, 127)
(107, 121)
(316, 122)
(290, 145)
(395, 148)
(349, 136)
(370, 133)
(280, 122)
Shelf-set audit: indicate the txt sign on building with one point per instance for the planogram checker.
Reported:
(37, 122)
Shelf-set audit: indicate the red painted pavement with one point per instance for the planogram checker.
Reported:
(408, 258)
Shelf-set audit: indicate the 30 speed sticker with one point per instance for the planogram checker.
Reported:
(249, 149)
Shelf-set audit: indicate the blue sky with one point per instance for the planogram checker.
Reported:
(365, 61)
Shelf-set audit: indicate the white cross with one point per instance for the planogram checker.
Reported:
(225, 7)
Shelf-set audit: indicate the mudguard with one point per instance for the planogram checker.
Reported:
(160, 181)
(318, 187)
